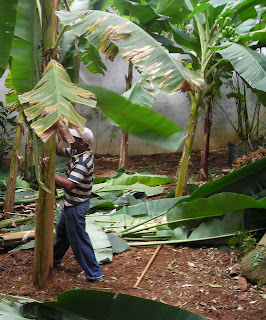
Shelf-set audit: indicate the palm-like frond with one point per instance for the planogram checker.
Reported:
(8, 11)
(249, 64)
(111, 34)
(50, 106)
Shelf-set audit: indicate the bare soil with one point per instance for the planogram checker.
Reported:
(203, 280)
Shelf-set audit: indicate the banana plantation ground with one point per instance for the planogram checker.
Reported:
(204, 280)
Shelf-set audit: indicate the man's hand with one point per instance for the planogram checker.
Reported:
(64, 182)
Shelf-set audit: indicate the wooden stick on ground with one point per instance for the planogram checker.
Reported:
(148, 265)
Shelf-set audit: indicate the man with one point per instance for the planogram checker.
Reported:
(70, 230)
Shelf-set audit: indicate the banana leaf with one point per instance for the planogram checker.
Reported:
(111, 33)
(249, 180)
(100, 242)
(148, 208)
(249, 64)
(102, 188)
(215, 205)
(26, 58)
(8, 13)
(138, 120)
(90, 304)
(147, 179)
(55, 92)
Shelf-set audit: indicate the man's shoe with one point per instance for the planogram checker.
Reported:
(83, 276)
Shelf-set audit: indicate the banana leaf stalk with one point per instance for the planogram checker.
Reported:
(126, 231)
(124, 139)
(8, 222)
(16, 238)
(174, 241)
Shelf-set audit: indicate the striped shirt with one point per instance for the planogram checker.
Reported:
(81, 171)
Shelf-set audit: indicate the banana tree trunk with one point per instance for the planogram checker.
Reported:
(123, 160)
(43, 251)
(11, 186)
(182, 172)
(204, 164)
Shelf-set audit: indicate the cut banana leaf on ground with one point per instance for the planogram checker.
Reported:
(147, 179)
(215, 205)
(149, 208)
(101, 189)
(104, 246)
(91, 304)
(22, 196)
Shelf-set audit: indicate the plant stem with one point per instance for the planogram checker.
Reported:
(11, 185)
(182, 172)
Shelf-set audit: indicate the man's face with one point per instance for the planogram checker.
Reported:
(77, 143)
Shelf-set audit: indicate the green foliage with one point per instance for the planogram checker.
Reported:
(7, 129)
(256, 258)
(243, 239)
(93, 305)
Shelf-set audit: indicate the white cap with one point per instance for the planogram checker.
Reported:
(86, 136)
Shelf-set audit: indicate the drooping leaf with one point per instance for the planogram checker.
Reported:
(26, 64)
(8, 14)
(110, 33)
(249, 64)
(138, 120)
(50, 103)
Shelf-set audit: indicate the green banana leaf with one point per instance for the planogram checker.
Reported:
(90, 304)
(147, 179)
(9, 311)
(249, 180)
(26, 58)
(101, 188)
(212, 206)
(111, 33)
(54, 93)
(149, 208)
(139, 120)
(8, 14)
(100, 242)
(249, 64)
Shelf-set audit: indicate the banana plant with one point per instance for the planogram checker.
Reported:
(218, 36)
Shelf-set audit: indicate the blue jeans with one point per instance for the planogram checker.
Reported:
(70, 231)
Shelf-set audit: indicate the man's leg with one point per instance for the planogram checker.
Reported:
(61, 243)
(80, 241)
